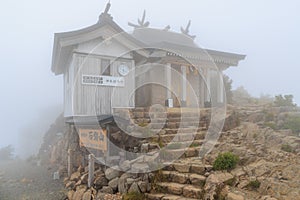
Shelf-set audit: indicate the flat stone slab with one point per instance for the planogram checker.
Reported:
(160, 196)
(191, 191)
(197, 179)
(155, 196)
(180, 167)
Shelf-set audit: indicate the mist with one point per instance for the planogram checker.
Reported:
(31, 136)
(266, 31)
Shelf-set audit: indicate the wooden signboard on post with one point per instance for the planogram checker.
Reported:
(93, 138)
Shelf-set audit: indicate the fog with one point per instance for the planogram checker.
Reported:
(266, 31)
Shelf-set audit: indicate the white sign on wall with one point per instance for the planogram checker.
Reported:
(112, 81)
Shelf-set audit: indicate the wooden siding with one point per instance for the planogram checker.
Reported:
(92, 100)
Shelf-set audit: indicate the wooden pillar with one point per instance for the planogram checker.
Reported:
(202, 90)
(169, 80)
(107, 154)
(220, 88)
(70, 162)
(91, 168)
(184, 85)
(208, 87)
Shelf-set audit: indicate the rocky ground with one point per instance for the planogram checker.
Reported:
(268, 168)
(262, 161)
(22, 180)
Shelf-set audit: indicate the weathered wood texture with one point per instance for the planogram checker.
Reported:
(70, 163)
(91, 168)
(92, 100)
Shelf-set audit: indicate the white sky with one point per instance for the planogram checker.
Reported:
(267, 31)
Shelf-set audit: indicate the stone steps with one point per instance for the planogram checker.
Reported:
(180, 114)
(178, 119)
(159, 127)
(183, 178)
(182, 137)
(161, 196)
(173, 154)
(183, 130)
(183, 144)
(173, 125)
(184, 190)
(188, 165)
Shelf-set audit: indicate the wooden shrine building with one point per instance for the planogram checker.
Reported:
(106, 68)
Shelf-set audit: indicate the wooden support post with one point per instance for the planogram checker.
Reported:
(106, 154)
(208, 85)
(202, 92)
(169, 80)
(70, 164)
(221, 88)
(184, 85)
(91, 170)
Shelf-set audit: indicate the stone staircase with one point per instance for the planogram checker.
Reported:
(182, 180)
(181, 133)
(181, 136)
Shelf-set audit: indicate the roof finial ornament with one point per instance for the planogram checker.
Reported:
(108, 5)
(105, 15)
(141, 23)
(187, 30)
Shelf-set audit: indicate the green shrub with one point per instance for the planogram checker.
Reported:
(271, 125)
(286, 100)
(134, 196)
(255, 135)
(194, 145)
(287, 148)
(158, 141)
(142, 124)
(293, 123)
(228, 88)
(225, 161)
(161, 144)
(253, 185)
(269, 117)
(231, 182)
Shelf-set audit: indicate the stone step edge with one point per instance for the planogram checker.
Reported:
(192, 168)
(188, 177)
(161, 196)
(181, 189)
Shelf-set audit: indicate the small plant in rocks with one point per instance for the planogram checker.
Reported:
(226, 161)
(134, 196)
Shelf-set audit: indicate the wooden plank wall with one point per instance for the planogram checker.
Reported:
(91, 100)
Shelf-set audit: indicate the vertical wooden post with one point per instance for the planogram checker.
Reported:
(184, 85)
(221, 88)
(106, 153)
(91, 170)
(70, 164)
(168, 69)
(202, 91)
(107, 127)
(208, 87)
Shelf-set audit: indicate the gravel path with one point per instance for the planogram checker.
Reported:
(21, 180)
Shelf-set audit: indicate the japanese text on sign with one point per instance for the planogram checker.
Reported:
(93, 138)
(103, 80)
